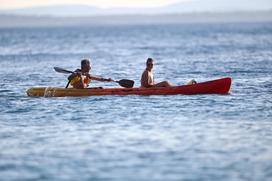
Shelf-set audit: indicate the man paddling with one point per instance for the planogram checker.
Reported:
(147, 79)
(81, 78)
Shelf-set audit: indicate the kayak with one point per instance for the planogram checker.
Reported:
(219, 86)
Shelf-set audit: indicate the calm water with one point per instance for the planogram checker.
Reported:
(132, 138)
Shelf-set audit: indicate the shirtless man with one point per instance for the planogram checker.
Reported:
(147, 79)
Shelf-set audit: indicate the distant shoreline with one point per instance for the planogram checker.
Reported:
(9, 21)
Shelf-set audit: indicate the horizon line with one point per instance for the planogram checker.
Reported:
(94, 5)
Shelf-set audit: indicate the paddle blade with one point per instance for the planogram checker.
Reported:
(126, 83)
(61, 70)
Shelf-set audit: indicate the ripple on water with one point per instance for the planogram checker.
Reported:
(201, 137)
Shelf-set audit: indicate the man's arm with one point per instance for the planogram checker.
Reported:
(100, 78)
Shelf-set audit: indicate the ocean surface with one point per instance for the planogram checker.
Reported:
(138, 138)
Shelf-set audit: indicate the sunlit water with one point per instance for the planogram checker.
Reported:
(166, 138)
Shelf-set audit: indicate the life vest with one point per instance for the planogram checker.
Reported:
(76, 80)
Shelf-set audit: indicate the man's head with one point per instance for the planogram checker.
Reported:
(149, 63)
(85, 65)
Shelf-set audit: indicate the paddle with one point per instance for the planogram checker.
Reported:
(124, 82)
(61, 70)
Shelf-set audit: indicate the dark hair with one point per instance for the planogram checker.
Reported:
(84, 62)
(149, 60)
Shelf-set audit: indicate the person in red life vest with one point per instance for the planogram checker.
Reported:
(81, 78)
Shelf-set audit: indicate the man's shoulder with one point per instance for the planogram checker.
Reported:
(145, 72)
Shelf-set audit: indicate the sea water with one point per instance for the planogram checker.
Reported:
(132, 138)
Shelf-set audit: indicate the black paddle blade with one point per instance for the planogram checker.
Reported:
(61, 70)
(126, 83)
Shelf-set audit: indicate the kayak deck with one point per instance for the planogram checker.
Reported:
(219, 86)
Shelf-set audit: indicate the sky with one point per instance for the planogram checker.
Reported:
(15, 4)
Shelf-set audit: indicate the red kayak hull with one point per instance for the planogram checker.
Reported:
(219, 86)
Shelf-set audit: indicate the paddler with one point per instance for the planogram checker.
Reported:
(81, 78)
(147, 79)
